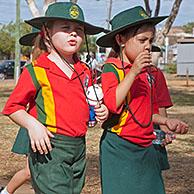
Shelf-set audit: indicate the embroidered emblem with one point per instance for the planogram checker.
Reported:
(143, 14)
(74, 11)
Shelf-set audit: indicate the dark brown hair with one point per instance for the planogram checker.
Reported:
(129, 32)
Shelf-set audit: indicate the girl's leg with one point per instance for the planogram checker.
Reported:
(18, 179)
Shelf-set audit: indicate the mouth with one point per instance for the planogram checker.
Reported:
(72, 42)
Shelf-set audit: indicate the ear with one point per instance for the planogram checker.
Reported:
(120, 40)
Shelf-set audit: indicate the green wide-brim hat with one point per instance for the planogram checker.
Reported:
(65, 11)
(28, 39)
(126, 19)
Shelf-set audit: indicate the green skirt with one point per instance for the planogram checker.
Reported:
(22, 142)
(162, 157)
(127, 168)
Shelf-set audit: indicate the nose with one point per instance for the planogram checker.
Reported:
(74, 33)
(147, 47)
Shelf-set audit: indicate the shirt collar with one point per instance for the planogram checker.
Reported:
(118, 63)
(44, 62)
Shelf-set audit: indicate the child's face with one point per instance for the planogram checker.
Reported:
(135, 44)
(67, 36)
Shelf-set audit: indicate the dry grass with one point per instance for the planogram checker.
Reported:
(178, 180)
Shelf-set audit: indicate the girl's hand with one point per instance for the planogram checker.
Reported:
(169, 135)
(177, 126)
(141, 61)
(168, 138)
(38, 133)
(40, 138)
(101, 112)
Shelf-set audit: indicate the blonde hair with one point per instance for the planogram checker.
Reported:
(41, 44)
(39, 47)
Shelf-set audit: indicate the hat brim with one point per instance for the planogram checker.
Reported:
(89, 29)
(28, 39)
(155, 48)
(108, 39)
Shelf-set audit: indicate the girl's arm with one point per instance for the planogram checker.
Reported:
(24, 93)
(38, 133)
(142, 60)
(162, 112)
(124, 87)
(168, 136)
(173, 124)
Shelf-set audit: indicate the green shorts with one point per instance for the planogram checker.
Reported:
(127, 168)
(62, 171)
(22, 142)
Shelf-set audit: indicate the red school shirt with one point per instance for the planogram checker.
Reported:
(56, 100)
(162, 93)
(139, 103)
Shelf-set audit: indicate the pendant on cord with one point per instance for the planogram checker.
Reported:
(150, 78)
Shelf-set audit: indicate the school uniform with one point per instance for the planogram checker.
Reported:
(53, 99)
(59, 103)
(129, 163)
(127, 147)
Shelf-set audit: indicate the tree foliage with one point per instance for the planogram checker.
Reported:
(7, 32)
(7, 40)
(91, 40)
(188, 28)
(169, 22)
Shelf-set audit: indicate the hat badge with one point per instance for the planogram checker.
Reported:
(143, 14)
(74, 11)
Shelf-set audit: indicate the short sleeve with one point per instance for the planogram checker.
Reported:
(23, 93)
(109, 86)
(162, 93)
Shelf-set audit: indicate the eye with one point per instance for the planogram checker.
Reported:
(66, 27)
(142, 40)
(151, 41)
(80, 29)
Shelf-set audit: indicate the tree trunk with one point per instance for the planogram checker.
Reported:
(33, 8)
(147, 6)
(157, 10)
(109, 13)
(162, 34)
(47, 3)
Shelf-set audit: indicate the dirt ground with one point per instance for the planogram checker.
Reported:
(178, 180)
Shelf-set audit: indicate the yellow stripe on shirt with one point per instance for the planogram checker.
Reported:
(48, 99)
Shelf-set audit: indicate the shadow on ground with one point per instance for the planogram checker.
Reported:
(182, 97)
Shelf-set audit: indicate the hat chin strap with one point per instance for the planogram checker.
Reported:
(67, 63)
(87, 49)
(88, 57)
